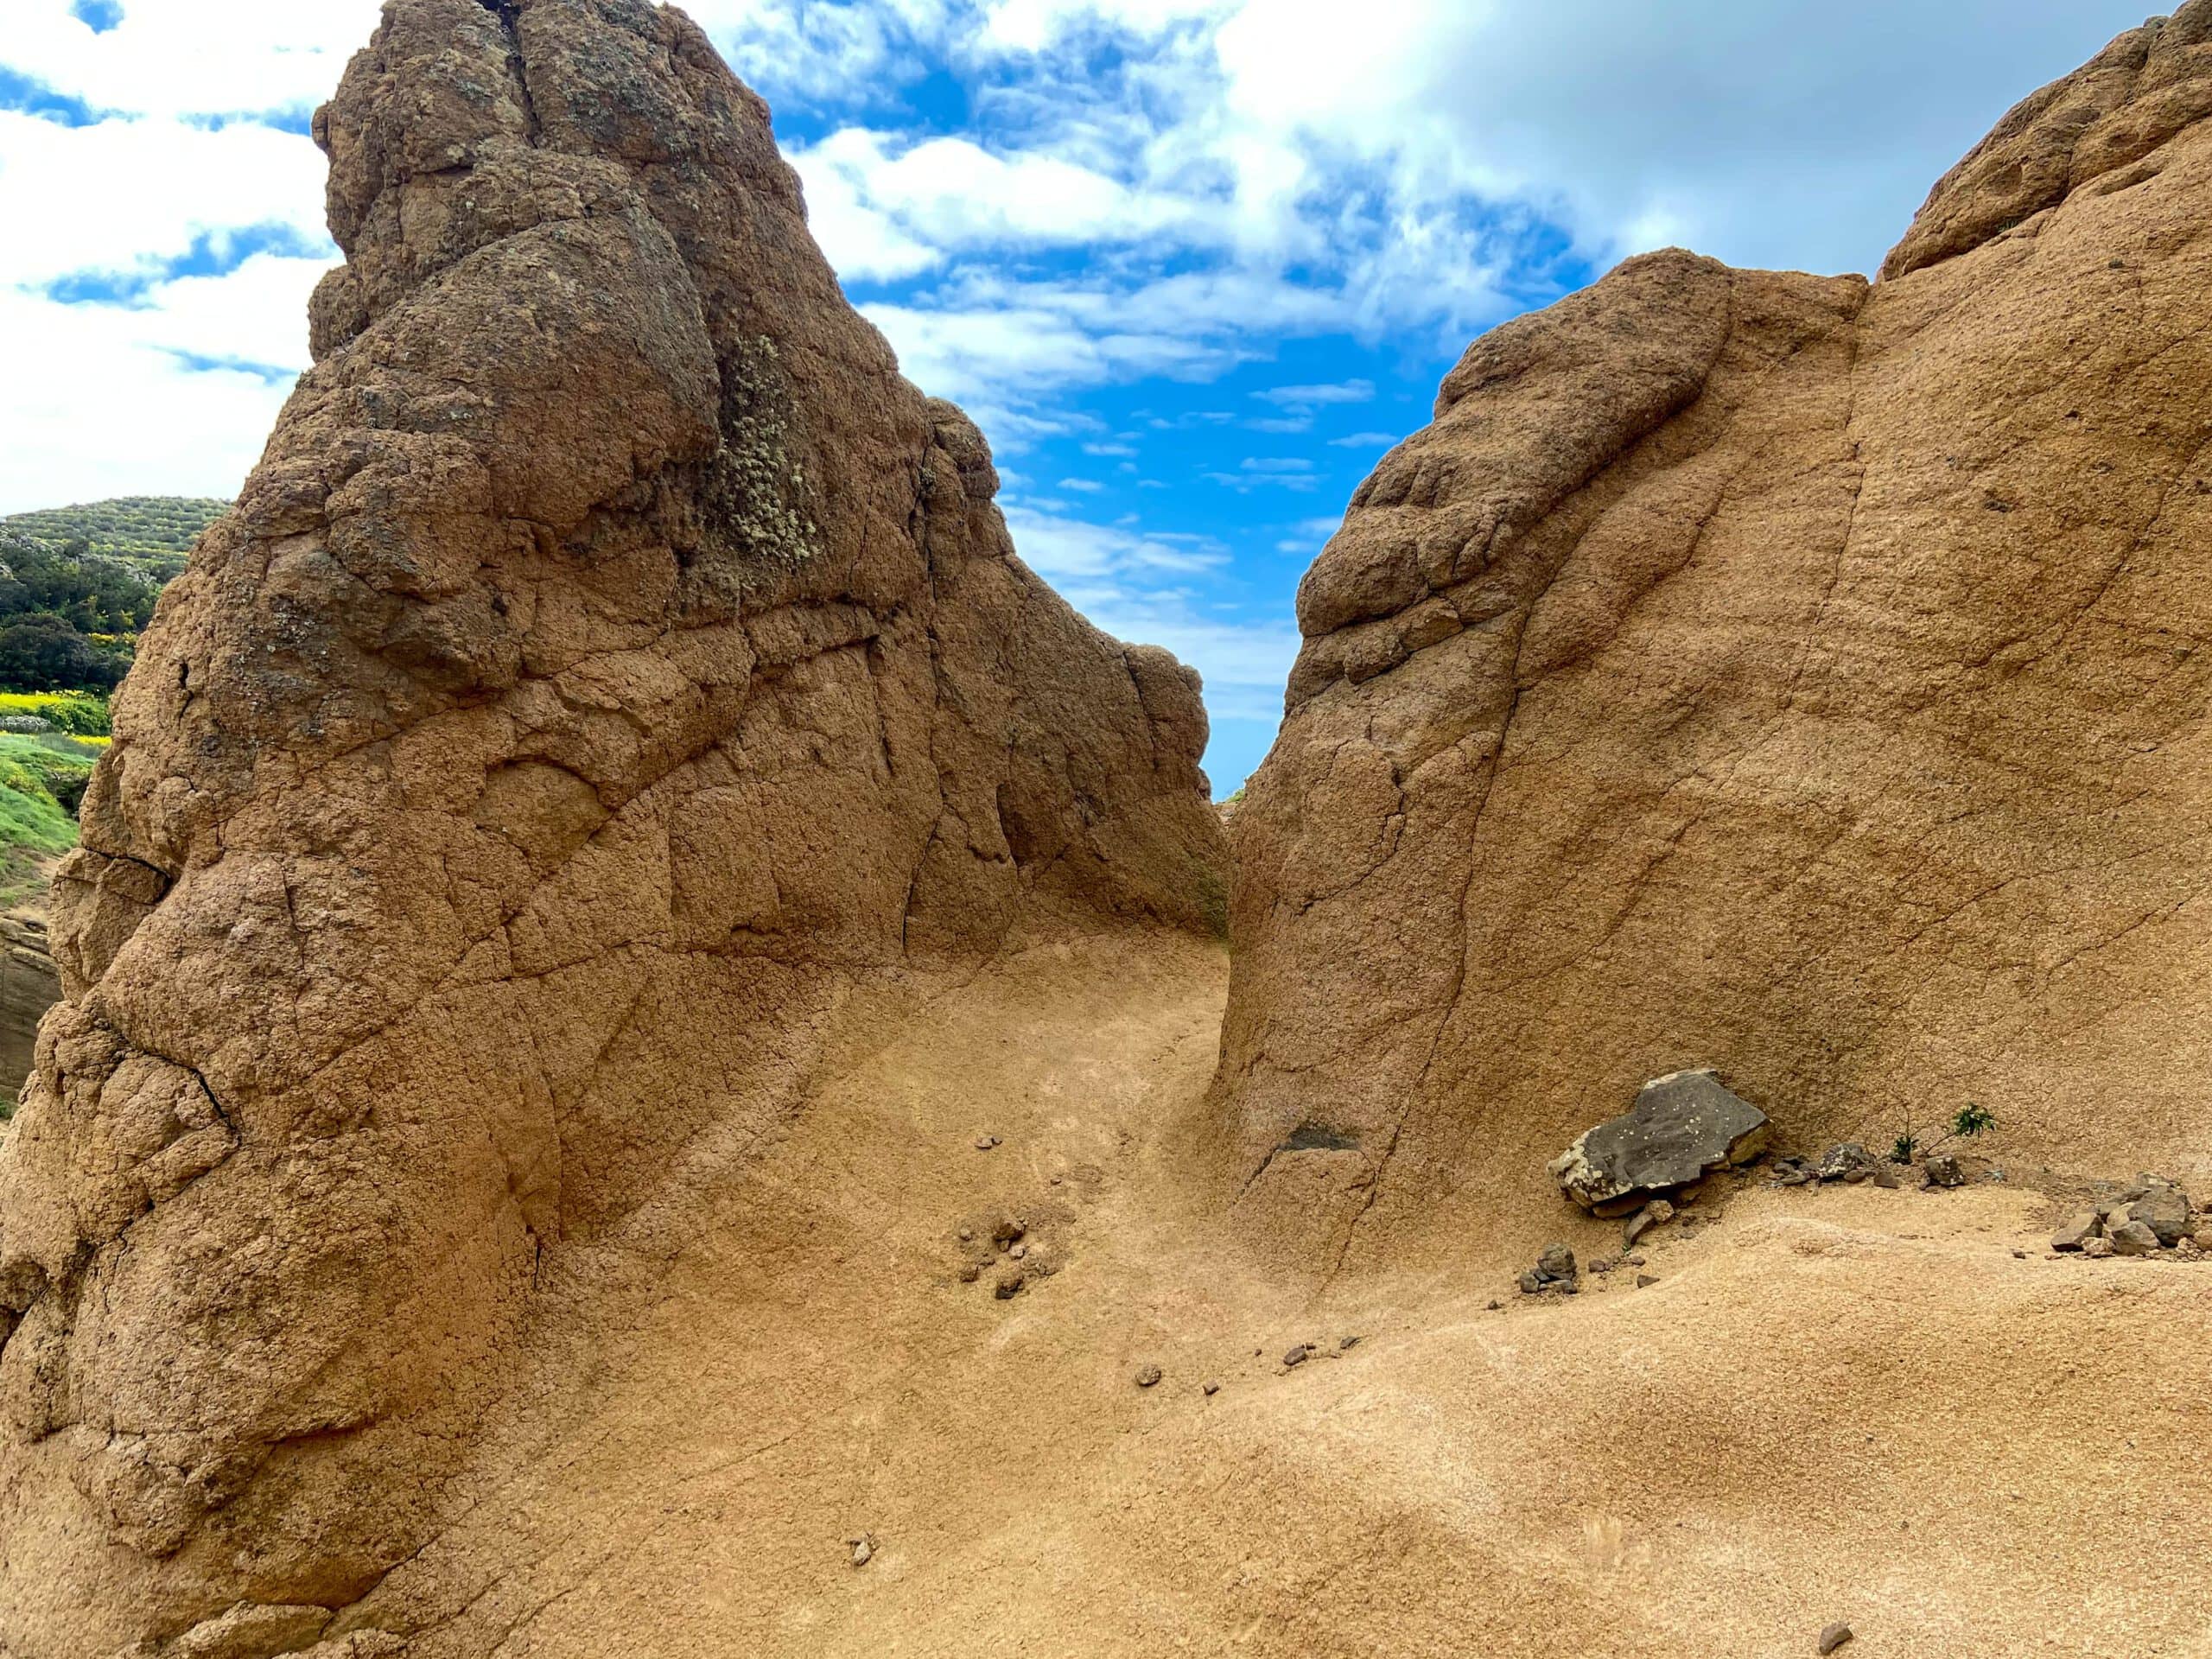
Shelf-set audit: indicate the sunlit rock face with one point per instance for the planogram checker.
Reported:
(1784, 674)
(612, 663)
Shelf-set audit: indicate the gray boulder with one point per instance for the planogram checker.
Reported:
(2132, 1238)
(1681, 1127)
(1847, 1161)
(2164, 1210)
(1944, 1169)
(2078, 1230)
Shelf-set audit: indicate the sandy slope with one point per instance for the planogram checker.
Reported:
(1848, 1403)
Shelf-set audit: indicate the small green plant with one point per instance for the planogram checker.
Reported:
(1970, 1122)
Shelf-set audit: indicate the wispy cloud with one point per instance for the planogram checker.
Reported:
(1348, 391)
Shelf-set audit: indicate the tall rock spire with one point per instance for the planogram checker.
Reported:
(612, 662)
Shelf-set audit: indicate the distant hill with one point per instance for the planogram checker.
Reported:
(76, 586)
(151, 532)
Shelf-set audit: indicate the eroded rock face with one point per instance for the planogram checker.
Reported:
(1805, 675)
(611, 662)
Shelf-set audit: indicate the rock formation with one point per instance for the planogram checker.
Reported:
(1683, 1127)
(1789, 674)
(612, 663)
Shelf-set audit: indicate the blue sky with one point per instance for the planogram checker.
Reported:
(1192, 264)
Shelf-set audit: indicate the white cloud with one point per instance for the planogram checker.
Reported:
(1348, 391)
(1756, 131)
(191, 57)
(1365, 441)
(122, 196)
(877, 202)
(1073, 548)
(98, 403)
(850, 51)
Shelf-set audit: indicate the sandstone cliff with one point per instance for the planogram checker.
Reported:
(1787, 674)
(612, 662)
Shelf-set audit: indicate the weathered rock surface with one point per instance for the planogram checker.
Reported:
(611, 663)
(28, 986)
(1805, 674)
(1682, 1126)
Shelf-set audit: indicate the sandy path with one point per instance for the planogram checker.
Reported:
(1839, 1404)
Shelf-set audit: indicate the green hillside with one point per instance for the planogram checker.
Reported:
(77, 585)
(151, 532)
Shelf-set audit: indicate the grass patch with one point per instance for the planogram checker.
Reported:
(43, 781)
(81, 714)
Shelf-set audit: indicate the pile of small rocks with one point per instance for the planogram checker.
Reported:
(1006, 1246)
(2151, 1216)
(1556, 1271)
(1850, 1163)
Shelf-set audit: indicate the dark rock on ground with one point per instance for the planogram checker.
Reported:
(1833, 1636)
(2132, 1238)
(1681, 1127)
(1554, 1270)
(1943, 1169)
(1147, 1376)
(2164, 1209)
(1847, 1160)
(2077, 1230)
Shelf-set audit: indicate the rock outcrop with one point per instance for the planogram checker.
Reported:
(1682, 1126)
(1802, 675)
(612, 663)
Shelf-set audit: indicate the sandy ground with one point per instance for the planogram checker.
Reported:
(1836, 1404)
